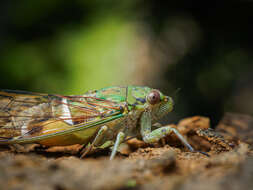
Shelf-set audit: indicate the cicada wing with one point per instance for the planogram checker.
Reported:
(29, 117)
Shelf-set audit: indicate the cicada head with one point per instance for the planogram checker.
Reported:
(159, 104)
(144, 98)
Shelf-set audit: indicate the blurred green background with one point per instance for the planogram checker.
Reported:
(68, 47)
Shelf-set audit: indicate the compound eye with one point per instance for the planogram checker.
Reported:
(153, 97)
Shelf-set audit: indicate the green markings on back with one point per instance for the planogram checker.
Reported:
(137, 95)
(133, 95)
(115, 94)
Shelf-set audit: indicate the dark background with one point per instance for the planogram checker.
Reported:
(204, 48)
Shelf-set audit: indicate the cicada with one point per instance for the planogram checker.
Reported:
(98, 118)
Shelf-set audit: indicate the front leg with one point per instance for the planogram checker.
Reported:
(154, 136)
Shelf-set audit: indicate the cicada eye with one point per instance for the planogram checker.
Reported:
(153, 97)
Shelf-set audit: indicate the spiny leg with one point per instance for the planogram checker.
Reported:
(155, 135)
(119, 140)
(98, 137)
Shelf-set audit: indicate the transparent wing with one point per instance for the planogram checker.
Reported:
(30, 116)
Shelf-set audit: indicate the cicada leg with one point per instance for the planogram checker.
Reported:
(97, 139)
(119, 140)
(154, 136)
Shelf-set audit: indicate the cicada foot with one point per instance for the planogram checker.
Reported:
(201, 152)
(85, 150)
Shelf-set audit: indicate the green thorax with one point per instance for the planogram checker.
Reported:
(133, 96)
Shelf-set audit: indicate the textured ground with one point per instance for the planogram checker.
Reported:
(165, 165)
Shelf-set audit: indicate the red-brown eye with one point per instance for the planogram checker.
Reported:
(153, 97)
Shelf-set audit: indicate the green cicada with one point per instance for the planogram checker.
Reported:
(97, 117)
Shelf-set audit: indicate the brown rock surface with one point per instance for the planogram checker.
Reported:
(142, 166)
